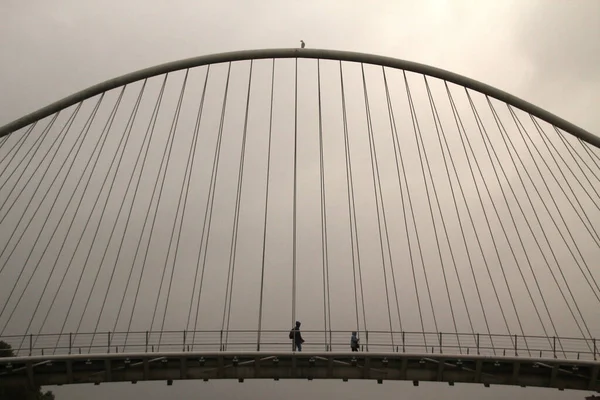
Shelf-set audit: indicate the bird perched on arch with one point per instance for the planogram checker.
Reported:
(302, 44)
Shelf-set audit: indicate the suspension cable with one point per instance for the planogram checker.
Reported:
(44, 133)
(148, 135)
(351, 209)
(179, 204)
(412, 212)
(294, 205)
(423, 160)
(107, 128)
(236, 223)
(190, 166)
(210, 201)
(572, 151)
(266, 213)
(126, 135)
(151, 127)
(35, 213)
(521, 129)
(461, 131)
(400, 161)
(52, 158)
(577, 247)
(37, 142)
(104, 135)
(85, 128)
(438, 126)
(377, 190)
(485, 135)
(591, 231)
(64, 131)
(172, 134)
(324, 237)
(18, 144)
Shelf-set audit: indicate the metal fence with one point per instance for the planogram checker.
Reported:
(315, 341)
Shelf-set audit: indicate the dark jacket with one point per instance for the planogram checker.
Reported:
(297, 335)
(354, 341)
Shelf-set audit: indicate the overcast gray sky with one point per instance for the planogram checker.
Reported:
(545, 52)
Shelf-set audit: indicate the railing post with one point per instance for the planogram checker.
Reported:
(554, 346)
(147, 338)
(183, 340)
(478, 344)
(31, 344)
(367, 335)
(70, 341)
(221, 341)
(108, 348)
(595, 349)
(516, 352)
(440, 333)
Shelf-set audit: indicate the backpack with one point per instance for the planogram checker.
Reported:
(291, 334)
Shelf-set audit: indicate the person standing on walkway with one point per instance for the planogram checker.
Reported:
(296, 337)
(354, 342)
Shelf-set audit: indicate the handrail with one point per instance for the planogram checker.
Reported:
(277, 340)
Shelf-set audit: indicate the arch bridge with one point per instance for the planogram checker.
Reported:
(175, 222)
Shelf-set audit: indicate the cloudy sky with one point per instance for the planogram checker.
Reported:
(544, 52)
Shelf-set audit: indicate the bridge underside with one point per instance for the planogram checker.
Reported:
(59, 370)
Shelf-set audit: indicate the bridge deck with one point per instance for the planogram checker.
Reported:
(169, 366)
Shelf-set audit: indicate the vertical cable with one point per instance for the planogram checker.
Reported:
(128, 129)
(399, 161)
(196, 133)
(266, 213)
(236, 222)
(206, 228)
(173, 133)
(190, 167)
(126, 136)
(377, 185)
(294, 227)
(151, 127)
(323, 203)
(148, 135)
(356, 260)
(186, 187)
(412, 212)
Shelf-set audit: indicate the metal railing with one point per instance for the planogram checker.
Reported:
(315, 341)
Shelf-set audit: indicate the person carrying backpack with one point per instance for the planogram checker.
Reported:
(354, 342)
(296, 337)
